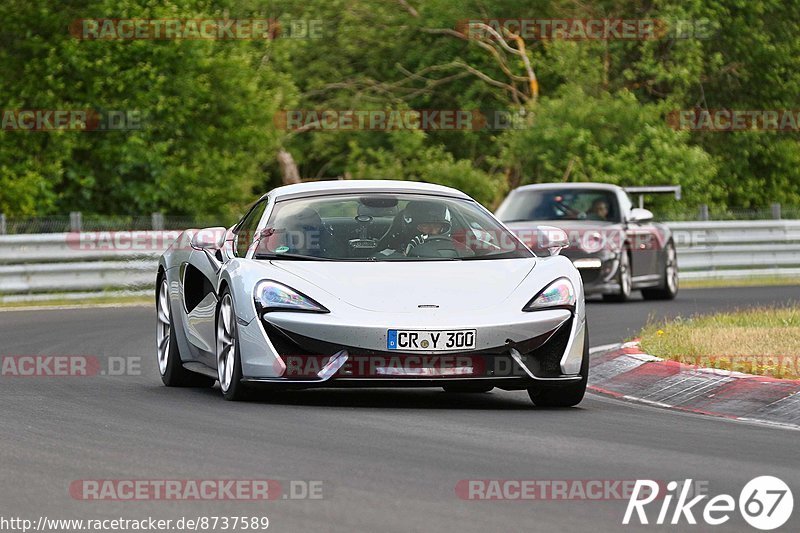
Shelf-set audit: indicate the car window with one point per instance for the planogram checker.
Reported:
(245, 230)
(561, 204)
(385, 227)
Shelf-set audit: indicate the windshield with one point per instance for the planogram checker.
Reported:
(384, 227)
(560, 204)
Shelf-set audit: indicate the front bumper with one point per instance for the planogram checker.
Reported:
(598, 271)
(543, 348)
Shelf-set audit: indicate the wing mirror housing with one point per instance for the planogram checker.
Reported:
(640, 215)
(553, 239)
(209, 239)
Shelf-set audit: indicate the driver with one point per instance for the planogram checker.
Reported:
(599, 210)
(424, 220)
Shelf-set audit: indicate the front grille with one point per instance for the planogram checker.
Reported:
(286, 346)
(545, 361)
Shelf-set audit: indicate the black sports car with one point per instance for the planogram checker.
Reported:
(616, 247)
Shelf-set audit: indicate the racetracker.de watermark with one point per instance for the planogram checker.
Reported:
(195, 489)
(778, 366)
(300, 120)
(556, 489)
(54, 366)
(124, 241)
(41, 120)
(121, 29)
(726, 120)
(594, 29)
(405, 365)
(140, 241)
(589, 239)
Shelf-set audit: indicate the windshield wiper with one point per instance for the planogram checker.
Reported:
(292, 257)
(511, 254)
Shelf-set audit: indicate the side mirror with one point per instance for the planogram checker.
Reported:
(553, 239)
(209, 239)
(640, 215)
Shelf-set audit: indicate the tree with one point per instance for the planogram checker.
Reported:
(206, 110)
(610, 138)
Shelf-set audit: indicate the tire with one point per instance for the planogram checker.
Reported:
(568, 395)
(669, 285)
(624, 279)
(477, 389)
(229, 363)
(170, 365)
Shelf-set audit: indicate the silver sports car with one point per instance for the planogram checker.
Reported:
(371, 284)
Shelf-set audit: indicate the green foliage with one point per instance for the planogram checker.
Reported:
(607, 138)
(206, 111)
(753, 62)
(408, 158)
(208, 141)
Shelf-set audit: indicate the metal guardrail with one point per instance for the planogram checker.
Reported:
(60, 265)
(83, 246)
(737, 249)
(41, 266)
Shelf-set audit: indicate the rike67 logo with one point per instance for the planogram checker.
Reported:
(765, 503)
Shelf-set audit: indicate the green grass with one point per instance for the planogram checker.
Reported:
(763, 341)
(765, 281)
(100, 300)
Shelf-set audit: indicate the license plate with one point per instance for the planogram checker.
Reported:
(413, 340)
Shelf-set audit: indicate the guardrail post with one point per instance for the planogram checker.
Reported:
(75, 221)
(2, 223)
(703, 215)
(157, 221)
(776, 211)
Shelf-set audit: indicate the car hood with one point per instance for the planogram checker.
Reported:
(403, 286)
(586, 235)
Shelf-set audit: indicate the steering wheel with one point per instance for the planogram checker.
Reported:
(431, 247)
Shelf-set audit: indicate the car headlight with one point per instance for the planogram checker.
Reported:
(273, 296)
(560, 293)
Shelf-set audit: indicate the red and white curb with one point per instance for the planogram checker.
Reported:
(625, 372)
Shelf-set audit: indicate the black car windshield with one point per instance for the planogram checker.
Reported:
(384, 227)
(560, 204)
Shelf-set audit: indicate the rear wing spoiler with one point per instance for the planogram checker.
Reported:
(656, 189)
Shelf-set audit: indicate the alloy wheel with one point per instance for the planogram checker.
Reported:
(226, 342)
(163, 327)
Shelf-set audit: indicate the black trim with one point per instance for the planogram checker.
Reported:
(297, 344)
(356, 191)
(196, 286)
(541, 354)
(509, 384)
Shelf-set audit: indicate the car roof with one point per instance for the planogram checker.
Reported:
(569, 185)
(322, 188)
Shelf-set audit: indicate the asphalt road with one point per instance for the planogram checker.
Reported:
(388, 460)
